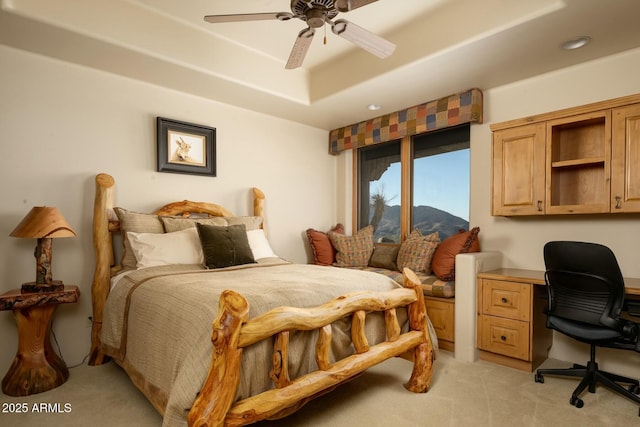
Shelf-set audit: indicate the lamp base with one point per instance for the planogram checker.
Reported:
(33, 287)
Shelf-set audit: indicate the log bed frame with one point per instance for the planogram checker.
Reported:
(232, 331)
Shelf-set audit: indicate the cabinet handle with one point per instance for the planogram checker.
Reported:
(504, 300)
(539, 205)
(503, 338)
(618, 202)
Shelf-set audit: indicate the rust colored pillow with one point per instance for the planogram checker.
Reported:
(323, 251)
(443, 264)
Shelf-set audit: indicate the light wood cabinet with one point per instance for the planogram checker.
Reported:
(625, 159)
(578, 155)
(511, 322)
(441, 312)
(518, 170)
(575, 161)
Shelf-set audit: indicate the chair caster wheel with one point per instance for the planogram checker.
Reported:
(539, 378)
(577, 402)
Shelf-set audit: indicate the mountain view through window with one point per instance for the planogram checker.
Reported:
(439, 185)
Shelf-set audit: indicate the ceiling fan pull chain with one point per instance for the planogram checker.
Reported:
(325, 34)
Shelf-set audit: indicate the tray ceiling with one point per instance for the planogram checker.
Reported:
(443, 47)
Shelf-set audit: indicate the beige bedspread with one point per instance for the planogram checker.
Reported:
(157, 324)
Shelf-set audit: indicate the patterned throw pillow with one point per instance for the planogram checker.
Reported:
(353, 251)
(416, 252)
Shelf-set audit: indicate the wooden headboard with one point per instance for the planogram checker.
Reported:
(106, 224)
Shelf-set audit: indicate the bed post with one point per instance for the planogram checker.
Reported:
(104, 258)
(420, 380)
(219, 389)
(258, 206)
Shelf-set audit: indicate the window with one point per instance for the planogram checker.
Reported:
(416, 182)
(379, 189)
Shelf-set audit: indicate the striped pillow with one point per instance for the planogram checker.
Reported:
(138, 223)
(353, 251)
(416, 252)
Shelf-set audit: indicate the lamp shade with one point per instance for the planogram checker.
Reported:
(43, 222)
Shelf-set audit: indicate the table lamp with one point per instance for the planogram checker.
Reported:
(44, 223)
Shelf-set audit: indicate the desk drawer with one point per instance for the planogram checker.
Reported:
(505, 336)
(510, 300)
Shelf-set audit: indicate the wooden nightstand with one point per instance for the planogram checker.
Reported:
(36, 367)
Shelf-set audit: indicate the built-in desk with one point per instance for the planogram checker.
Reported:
(536, 277)
(511, 324)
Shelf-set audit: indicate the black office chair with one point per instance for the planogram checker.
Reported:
(586, 297)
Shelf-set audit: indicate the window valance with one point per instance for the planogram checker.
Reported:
(465, 107)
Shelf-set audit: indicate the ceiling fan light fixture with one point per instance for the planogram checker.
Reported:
(317, 13)
(576, 43)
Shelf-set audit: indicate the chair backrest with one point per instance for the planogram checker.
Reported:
(585, 283)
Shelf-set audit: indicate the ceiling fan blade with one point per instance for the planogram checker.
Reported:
(240, 17)
(300, 48)
(347, 5)
(368, 41)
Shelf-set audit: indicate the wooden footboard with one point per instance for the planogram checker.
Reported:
(232, 331)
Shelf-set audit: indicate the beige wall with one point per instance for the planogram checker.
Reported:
(61, 124)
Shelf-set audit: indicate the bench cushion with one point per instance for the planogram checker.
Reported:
(431, 285)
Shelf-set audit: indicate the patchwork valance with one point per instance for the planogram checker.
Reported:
(465, 107)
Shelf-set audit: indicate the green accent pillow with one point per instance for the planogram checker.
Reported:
(385, 256)
(225, 246)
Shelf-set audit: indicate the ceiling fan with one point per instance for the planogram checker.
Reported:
(317, 13)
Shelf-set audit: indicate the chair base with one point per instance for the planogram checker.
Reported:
(591, 376)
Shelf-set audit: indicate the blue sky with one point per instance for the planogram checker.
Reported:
(441, 181)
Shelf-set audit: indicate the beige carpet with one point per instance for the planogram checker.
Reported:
(477, 394)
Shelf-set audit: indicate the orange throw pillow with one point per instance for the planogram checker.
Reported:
(444, 260)
(323, 251)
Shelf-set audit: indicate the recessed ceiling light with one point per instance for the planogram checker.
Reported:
(576, 43)
(374, 107)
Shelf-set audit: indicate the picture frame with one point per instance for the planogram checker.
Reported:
(185, 147)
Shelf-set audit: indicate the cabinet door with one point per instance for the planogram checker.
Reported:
(518, 170)
(625, 165)
(442, 318)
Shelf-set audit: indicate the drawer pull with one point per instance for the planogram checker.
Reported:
(504, 300)
(503, 338)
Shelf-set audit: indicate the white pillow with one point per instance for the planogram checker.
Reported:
(259, 244)
(153, 249)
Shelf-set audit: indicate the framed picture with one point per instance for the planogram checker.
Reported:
(186, 148)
